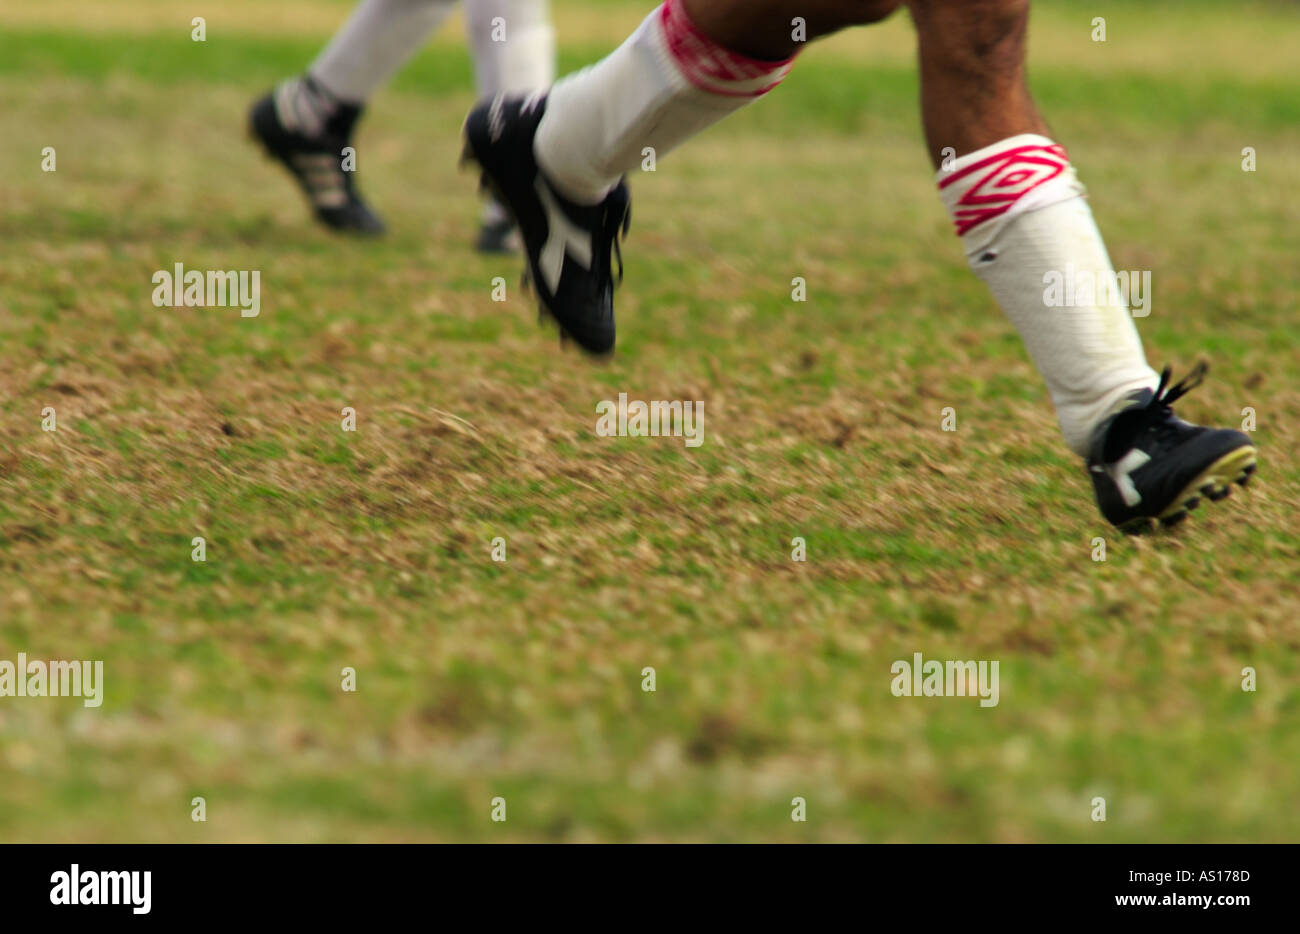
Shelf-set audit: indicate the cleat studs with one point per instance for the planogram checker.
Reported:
(1173, 518)
(1192, 503)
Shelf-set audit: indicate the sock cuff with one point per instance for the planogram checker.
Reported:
(710, 66)
(305, 105)
(986, 189)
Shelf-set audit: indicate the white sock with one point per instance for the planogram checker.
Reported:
(378, 39)
(513, 44)
(1024, 223)
(303, 105)
(665, 84)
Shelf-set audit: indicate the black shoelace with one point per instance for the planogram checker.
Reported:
(1184, 386)
(1159, 413)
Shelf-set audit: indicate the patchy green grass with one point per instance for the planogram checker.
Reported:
(476, 679)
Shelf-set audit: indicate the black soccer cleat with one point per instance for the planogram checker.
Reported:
(316, 163)
(568, 246)
(1148, 465)
(498, 235)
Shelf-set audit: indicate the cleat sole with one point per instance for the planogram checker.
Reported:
(1214, 483)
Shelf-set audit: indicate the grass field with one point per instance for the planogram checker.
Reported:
(523, 679)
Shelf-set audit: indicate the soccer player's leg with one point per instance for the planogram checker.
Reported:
(306, 122)
(557, 160)
(513, 44)
(1022, 218)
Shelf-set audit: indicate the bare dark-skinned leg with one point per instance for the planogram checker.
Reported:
(973, 88)
(764, 29)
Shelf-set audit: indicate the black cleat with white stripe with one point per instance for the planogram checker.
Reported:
(317, 163)
(568, 246)
(1148, 466)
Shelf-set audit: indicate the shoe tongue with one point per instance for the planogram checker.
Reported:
(1138, 398)
(1124, 417)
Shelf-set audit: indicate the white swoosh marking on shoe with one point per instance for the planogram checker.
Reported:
(562, 236)
(1119, 473)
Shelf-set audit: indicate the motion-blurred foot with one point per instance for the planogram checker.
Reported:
(570, 247)
(306, 129)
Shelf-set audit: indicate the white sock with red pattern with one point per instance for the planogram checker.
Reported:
(665, 84)
(1025, 225)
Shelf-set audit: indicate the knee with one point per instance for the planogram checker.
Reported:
(828, 16)
(973, 35)
(871, 11)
